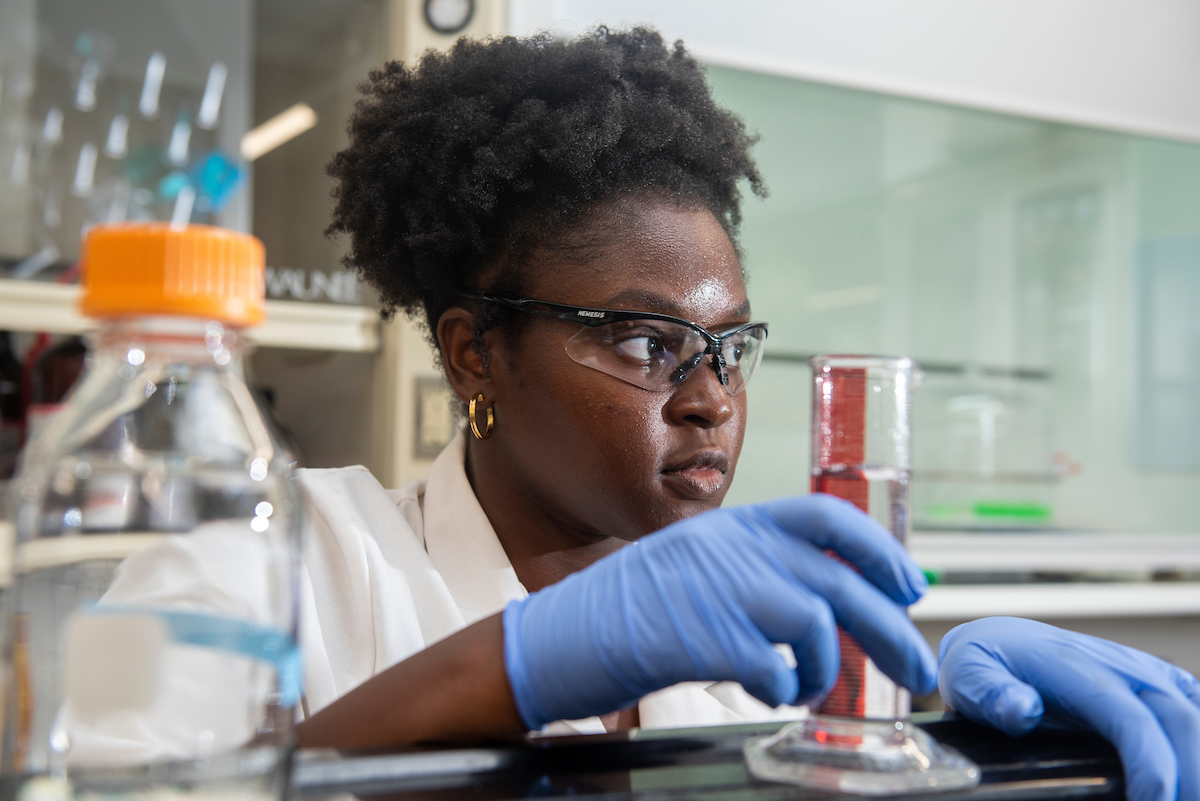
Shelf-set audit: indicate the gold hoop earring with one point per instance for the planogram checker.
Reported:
(491, 419)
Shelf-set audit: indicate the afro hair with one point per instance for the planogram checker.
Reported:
(483, 153)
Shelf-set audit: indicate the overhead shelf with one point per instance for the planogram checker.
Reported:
(1071, 553)
(1059, 601)
(39, 306)
(1065, 552)
(316, 326)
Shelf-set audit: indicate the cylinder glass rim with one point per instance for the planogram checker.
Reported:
(899, 365)
(861, 360)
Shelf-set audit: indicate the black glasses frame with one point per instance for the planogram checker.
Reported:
(594, 318)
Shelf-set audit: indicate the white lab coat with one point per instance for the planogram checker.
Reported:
(389, 572)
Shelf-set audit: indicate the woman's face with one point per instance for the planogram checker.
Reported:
(601, 456)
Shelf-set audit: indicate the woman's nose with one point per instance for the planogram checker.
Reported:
(700, 399)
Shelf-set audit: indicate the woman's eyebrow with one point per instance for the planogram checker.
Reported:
(643, 300)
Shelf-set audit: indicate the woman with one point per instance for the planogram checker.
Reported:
(562, 215)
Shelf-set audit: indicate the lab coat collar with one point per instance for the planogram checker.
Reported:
(460, 540)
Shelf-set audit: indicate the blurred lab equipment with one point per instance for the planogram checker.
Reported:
(985, 457)
(12, 407)
(154, 596)
(112, 129)
(860, 738)
(53, 370)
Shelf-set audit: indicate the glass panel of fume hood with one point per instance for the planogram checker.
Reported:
(1040, 273)
(118, 111)
(138, 110)
(317, 58)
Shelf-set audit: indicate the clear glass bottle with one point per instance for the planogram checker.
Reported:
(152, 619)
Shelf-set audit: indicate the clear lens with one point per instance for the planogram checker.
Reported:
(656, 355)
(742, 352)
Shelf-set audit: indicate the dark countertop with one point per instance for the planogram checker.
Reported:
(704, 763)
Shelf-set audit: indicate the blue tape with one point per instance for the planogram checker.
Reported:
(266, 644)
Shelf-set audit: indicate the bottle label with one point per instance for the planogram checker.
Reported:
(113, 663)
(132, 639)
(174, 683)
(109, 502)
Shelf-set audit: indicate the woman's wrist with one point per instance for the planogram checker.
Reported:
(456, 689)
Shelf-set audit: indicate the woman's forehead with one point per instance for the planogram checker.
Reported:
(710, 294)
(653, 257)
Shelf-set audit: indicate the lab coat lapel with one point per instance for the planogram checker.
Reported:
(460, 540)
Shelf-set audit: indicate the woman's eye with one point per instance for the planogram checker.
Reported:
(642, 348)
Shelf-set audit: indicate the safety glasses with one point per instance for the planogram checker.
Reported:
(651, 351)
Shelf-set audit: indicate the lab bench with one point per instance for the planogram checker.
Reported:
(704, 763)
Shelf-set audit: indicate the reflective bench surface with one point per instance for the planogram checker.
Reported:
(704, 763)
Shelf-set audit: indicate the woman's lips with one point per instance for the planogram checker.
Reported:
(701, 476)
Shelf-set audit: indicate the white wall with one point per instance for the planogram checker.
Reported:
(1129, 65)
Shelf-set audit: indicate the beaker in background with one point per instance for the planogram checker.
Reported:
(986, 457)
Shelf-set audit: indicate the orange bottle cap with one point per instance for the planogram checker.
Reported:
(133, 269)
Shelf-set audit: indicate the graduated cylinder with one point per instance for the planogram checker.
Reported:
(861, 453)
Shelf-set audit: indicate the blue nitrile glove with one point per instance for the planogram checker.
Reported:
(1014, 674)
(703, 599)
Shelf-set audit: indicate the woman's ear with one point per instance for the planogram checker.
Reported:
(464, 365)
